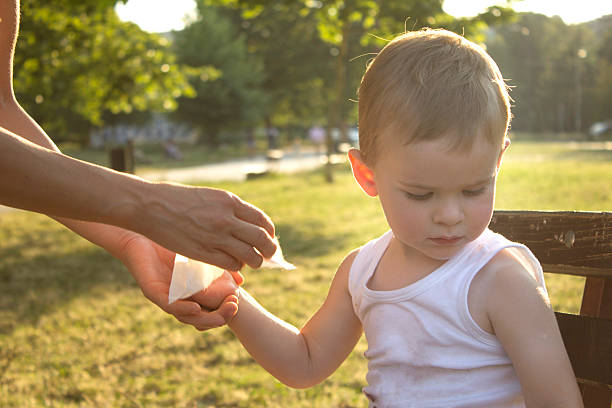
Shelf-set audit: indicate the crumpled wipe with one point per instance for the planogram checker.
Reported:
(190, 276)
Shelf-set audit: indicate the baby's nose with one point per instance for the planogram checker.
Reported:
(448, 213)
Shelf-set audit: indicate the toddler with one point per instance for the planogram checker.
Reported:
(454, 314)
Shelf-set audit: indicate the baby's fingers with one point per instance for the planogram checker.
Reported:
(228, 308)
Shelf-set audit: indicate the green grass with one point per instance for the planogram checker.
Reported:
(76, 332)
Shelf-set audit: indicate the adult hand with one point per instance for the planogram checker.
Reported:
(210, 225)
(151, 265)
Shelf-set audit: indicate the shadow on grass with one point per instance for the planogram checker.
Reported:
(313, 240)
(31, 287)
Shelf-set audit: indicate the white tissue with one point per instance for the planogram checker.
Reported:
(277, 260)
(190, 276)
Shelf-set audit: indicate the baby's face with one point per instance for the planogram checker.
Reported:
(436, 200)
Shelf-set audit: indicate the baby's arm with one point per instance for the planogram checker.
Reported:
(301, 358)
(524, 323)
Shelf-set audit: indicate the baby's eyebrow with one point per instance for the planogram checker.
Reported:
(481, 182)
(425, 187)
(416, 185)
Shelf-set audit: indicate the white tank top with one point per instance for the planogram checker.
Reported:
(424, 348)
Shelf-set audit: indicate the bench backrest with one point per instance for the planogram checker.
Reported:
(575, 243)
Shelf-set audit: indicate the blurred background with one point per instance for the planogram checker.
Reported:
(224, 78)
(170, 88)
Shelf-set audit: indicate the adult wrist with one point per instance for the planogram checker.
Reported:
(147, 206)
(127, 209)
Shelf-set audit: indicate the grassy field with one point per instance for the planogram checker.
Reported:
(75, 331)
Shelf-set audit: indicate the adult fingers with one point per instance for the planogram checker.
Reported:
(245, 252)
(253, 215)
(238, 277)
(255, 237)
(219, 258)
(208, 320)
(203, 321)
(184, 308)
(188, 312)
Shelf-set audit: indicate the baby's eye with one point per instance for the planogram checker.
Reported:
(473, 193)
(418, 197)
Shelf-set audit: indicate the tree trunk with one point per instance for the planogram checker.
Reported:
(337, 119)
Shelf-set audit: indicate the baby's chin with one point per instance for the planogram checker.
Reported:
(443, 254)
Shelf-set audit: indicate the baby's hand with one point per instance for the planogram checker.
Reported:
(222, 290)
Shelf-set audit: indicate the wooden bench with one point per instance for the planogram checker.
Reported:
(575, 243)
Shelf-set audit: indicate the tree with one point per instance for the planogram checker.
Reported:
(296, 63)
(346, 23)
(556, 70)
(228, 86)
(77, 65)
(598, 98)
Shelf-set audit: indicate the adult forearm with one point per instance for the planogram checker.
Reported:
(42, 180)
(277, 346)
(207, 224)
(14, 119)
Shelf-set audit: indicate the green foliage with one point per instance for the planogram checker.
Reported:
(597, 108)
(302, 66)
(296, 62)
(283, 63)
(227, 80)
(80, 6)
(559, 73)
(77, 66)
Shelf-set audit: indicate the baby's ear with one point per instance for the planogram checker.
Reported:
(362, 173)
(505, 146)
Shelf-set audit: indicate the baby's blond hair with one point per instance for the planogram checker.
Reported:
(429, 84)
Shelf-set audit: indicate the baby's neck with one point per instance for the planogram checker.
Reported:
(401, 266)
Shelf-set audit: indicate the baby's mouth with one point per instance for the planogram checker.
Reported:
(446, 241)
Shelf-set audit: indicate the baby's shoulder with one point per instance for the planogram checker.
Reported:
(507, 267)
(511, 273)
(508, 277)
(345, 266)
(510, 263)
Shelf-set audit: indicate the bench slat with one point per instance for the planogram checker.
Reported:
(578, 270)
(588, 341)
(580, 239)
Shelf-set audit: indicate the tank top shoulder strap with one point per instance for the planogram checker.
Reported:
(365, 263)
(482, 250)
(491, 243)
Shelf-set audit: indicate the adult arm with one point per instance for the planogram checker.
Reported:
(301, 358)
(211, 225)
(149, 263)
(36, 176)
